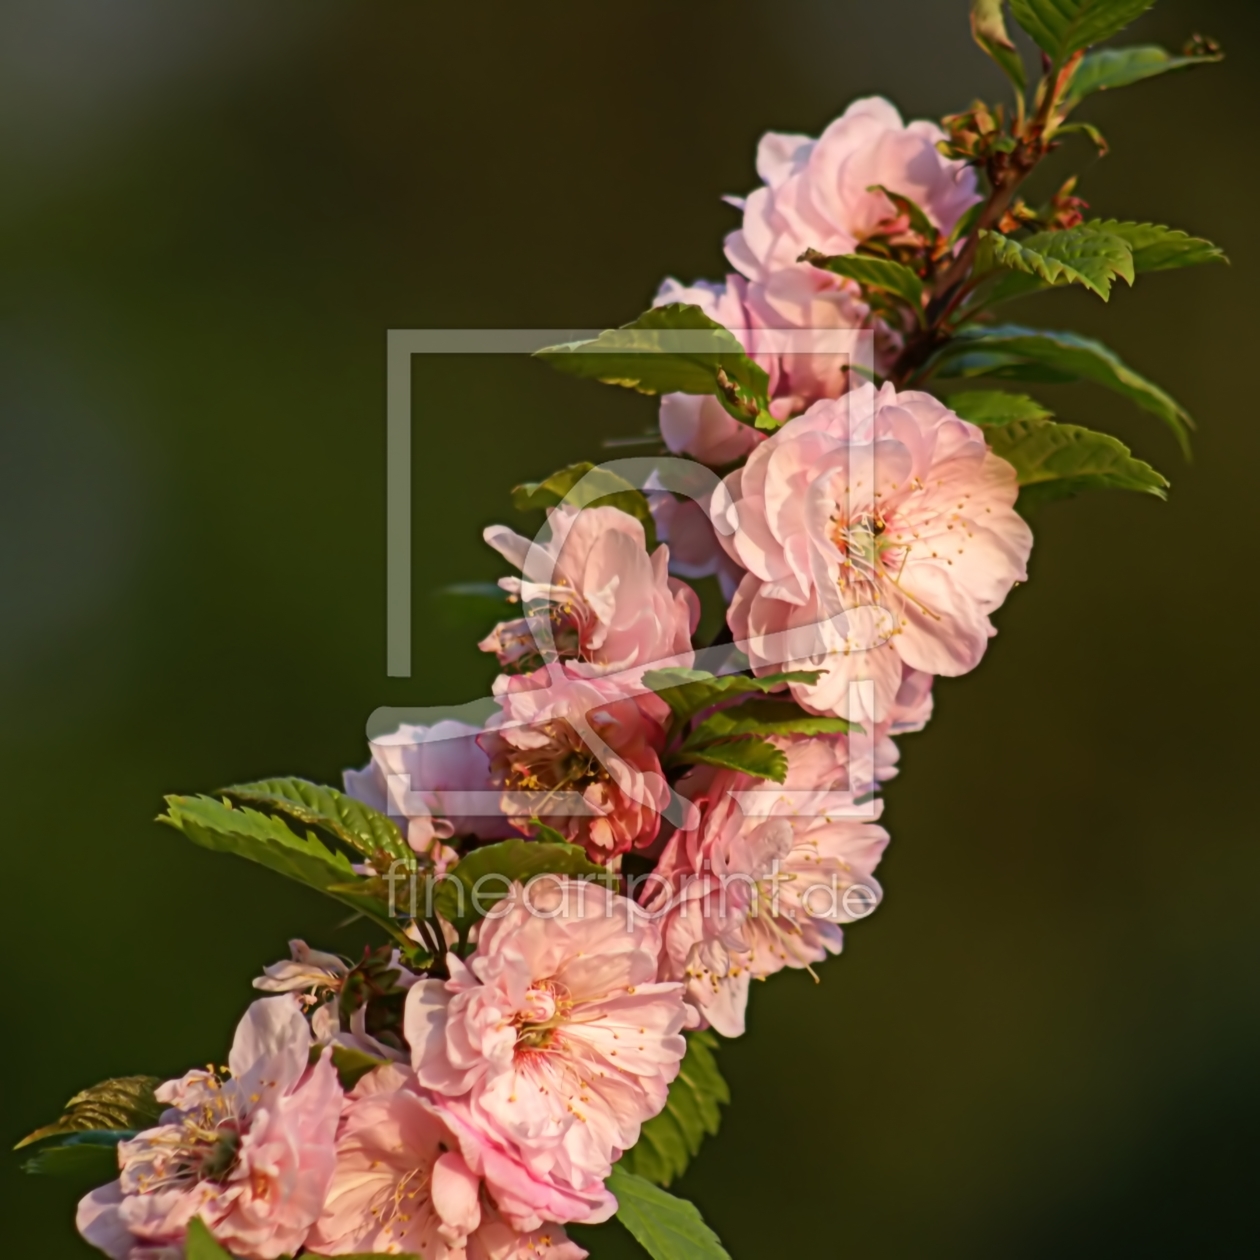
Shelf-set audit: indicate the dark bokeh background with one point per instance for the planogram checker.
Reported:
(1045, 1043)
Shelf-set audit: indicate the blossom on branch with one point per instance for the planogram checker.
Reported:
(592, 595)
(879, 532)
(252, 1155)
(765, 878)
(581, 754)
(550, 1045)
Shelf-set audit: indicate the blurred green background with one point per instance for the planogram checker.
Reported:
(1044, 1044)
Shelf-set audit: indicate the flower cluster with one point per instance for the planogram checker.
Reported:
(646, 822)
(862, 547)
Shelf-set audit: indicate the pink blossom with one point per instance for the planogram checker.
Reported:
(879, 532)
(550, 1046)
(592, 594)
(815, 193)
(418, 776)
(582, 754)
(402, 1185)
(251, 1155)
(766, 877)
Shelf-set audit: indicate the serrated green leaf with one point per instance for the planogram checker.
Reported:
(1013, 352)
(1158, 248)
(1081, 255)
(688, 691)
(763, 717)
(88, 1156)
(200, 1243)
(673, 349)
(667, 1228)
(1055, 461)
(988, 29)
(992, 407)
(355, 824)
(1062, 27)
(597, 487)
(482, 878)
(122, 1102)
(1108, 68)
(265, 839)
(746, 754)
(873, 273)
(670, 1141)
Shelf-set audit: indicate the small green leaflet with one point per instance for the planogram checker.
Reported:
(688, 691)
(200, 1243)
(992, 407)
(1062, 27)
(873, 273)
(88, 1156)
(266, 840)
(1013, 352)
(1082, 255)
(483, 878)
(748, 755)
(1055, 461)
(988, 29)
(764, 717)
(670, 1141)
(123, 1102)
(1157, 248)
(352, 1065)
(356, 825)
(1118, 67)
(666, 1228)
(597, 487)
(670, 349)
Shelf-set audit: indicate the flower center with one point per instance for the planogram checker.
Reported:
(546, 1008)
(564, 763)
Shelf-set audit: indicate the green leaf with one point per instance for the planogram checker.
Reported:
(764, 717)
(1118, 67)
(667, 350)
(1062, 27)
(201, 1245)
(352, 1065)
(123, 1102)
(1081, 255)
(992, 407)
(988, 28)
(266, 840)
(667, 1228)
(482, 878)
(1013, 352)
(688, 691)
(1157, 248)
(599, 487)
(748, 755)
(872, 273)
(670, 1141)
(1055, 461)
(355, 824)
(88, 1156)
